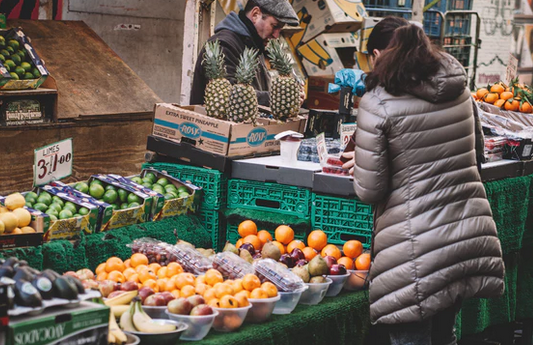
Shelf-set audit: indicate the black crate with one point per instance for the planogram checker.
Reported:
(327, 122)
(521, 150)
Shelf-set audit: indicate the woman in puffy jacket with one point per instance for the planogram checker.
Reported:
(435, 243)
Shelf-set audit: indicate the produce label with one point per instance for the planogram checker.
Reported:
(322, 148)
(53, 162)
(347, 130)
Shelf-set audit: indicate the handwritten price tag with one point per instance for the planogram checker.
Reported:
(347, 130)
(322, 148)
(52, 162)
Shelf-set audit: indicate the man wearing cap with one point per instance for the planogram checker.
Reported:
(260, 21)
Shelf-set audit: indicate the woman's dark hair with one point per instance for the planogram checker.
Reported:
(408, 59)
(382, 32)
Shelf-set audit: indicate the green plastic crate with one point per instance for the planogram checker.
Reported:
(269, 197)
(215, 224)
(342, 219)
(232, 233)
(213, 182)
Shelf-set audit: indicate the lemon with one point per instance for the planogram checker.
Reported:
(2, 228)
(23, 216)
(14, 201)
(27, 230)
(10, 221)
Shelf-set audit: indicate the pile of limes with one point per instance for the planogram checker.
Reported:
(16, 60)
(162, 186)
(54, 206)
(118, 198)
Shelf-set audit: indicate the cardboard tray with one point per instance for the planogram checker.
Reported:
(39, 222)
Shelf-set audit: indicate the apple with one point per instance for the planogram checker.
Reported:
(90, 284)
(180, 306)
(337, 270)
(201, 309)
(129, 286)
(249, 247)
(330, 260)
(301, 262)
(167, 296)
(196, 300)
(72, 274)
(85, 273)
(115, 294)
(106, 287)
(297, 254)
(144, 292)
(155, 300)
(286, 259)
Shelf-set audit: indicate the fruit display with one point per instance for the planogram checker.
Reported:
(118, 198)
(243, 99)
(515, 97)
(231, 265)
(15, 59)
(162, 186)
(218, 88)
(54, 206)
(285, 91)
(15, 218)
(136, 320)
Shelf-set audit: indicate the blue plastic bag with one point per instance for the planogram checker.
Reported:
(353, 78)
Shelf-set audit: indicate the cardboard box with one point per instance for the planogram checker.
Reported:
(328, 53)
(190, 125)
(86, 324)
(39, 222)
(366, 30)
(7, 82)
(317, 17)
(319, 98)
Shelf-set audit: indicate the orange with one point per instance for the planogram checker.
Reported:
(251, 282)
(295, 244)
(100, 268)
(134, 278)
(210, 294)
(258, 293)
(188, 291)
(127, 263)
(506, 95)
(362, 262)
(184, 279)
(162, 284)
(347, 262)
(309, 253)
(246, 228)
(280, 246)
(491, 97)
(162, 272)
(114, 264)
(228, 301)
(173, 269)
(101, 276)
(481, 92)
(223, 290)
(270, 289)
(145, 275)
(317, 239)
(141, 268)
(242, 298)
(352, 248)
(264, 236)
(201, 288)
(138, 259)
(474, 95)
(170, 285)
(200, 280)
(525, 107)
(331, 250)
(176, 293)
(497, 88)
(154, 267)
(237, 285)
(254, 241)
(284, 234)
(512, 105)
(128, 272)
(151, 283)
(214, 303)
(499, 103)
(239, 243)
(213, 276)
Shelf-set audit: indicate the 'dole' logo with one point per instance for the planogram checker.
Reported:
(190, 130)
(257, 136)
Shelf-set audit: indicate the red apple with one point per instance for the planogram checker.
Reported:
(115, 294)
(167, 296)
(106, 287)
(85, 273)
(286, 259)
(297, 254)
(201, 309)
(330, 260)
(90, 284)
(155, 300)
(301, 263)
(337, 270)
(196, 300)
(249, 247)
(72, 274)
(129, 286)
(180, 306)
(145, 292)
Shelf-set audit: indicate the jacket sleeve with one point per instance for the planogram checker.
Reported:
(480, 138)
(371, 171)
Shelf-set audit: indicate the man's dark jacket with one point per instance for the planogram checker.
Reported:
(234, 36)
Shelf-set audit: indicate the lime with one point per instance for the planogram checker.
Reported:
(32, 195)
(147, 180)
(13, 44)
(56, 207)
(115, 207)
(134, 204)
(52, 217)
(122, 195)
(8, 68)
(170, 186)
(10, 63)
(151, 176)
(2, 58)
(158, 188)
(65, 214)
(124, 206)
(5, 53)
(147, 185)
(45, 199)
(30, 199)
(40, 206)
(21, 54)
(137, 179)
(110, 187)
(169, 196)
(183, 195)
(16, 59)
(183, 189)
(14, 75)
(36, 73)
(97, 182)
(52, 211)
(162, 181)
(110, 196)
(76, 215)
(20, 71)
(29, 204)
(28, 76)
(58, 200)
(10, 50)
(83, 211)
(96, 190)
(71, 207)
(82, 187)
(133, 198)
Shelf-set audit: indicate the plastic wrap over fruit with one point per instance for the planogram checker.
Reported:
(232, 266)
(308, 151)
(279, 275)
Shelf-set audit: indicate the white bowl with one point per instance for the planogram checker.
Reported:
(357, 280)
(156, 312)
(199, 326)
(316, 292)
(162, 338)
(261, 309)
(230, 319)
(288, 301)
(338, 283)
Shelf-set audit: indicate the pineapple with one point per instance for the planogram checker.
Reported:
(218, 89)
(285, 91)
(243, 99)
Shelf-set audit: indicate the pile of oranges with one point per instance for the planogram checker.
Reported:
(317, 243)
(514, 98)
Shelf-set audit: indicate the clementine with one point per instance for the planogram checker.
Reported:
(525, 107)
(497, 88)
(138, 259)
(242, 298)
(362, 262)
(352, 248)
(347, 262)
(223, 290)
(128, 272)
(491, 97)
(506, 95)
(246, 228)
(173, 269)
(114, 264)
(250, 282)
(331, 250)
(270, 289)
(254, 241)
(258, 293)
(295, 244)
(264, 236)
(184, 279)
(100, 268)
(309, 253)
(228, 301)
(317, 239)
(499, 103)
(187, 291)
(481, 92)
(512, 105)
(213, 276)
(284, 234)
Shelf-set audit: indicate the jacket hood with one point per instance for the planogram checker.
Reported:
(233, 23)
(448, 84)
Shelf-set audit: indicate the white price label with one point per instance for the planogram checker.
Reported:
(322, 148)
(52, 162)
(347, 130)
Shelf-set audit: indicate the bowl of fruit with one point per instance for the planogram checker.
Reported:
(263, 302)
(288, 301)
(155, 305)
(318, 287)
(357, 280)
(338, 275)
(199, 318)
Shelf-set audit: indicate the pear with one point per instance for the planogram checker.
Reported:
(185, 243)
(318, 266)
(246, 256)
(317, 279)
(230, 248)
(302, 272)
(271, 251)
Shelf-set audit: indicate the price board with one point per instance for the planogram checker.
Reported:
(52, 162)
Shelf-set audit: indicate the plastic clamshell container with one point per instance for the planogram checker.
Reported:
(288, 301)
(338, 283)
(280, 276)
(199, 326)
(316, 292)
(230, 319)
(156, 312)
(356, 280)
(261, 309)
(231, 265)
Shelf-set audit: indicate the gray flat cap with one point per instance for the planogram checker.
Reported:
(281, 10)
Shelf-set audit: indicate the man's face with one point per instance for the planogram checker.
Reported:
(267, 26)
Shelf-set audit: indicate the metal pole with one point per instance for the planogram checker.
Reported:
(418, 11)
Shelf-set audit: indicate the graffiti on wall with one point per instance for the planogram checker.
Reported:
(498, 17)
(28, 9)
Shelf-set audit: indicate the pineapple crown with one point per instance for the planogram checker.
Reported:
(280, 60)
(248, 62)
(214, 61)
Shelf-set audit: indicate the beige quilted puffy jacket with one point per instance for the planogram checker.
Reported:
(435, 239)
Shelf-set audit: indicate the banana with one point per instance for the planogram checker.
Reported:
(144, 323)
(111, 338)
(114, 330)
(125, 319)
(122, 299)
(118, 310)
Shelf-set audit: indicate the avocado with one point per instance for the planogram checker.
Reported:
(23, 263)
(44, 286)
(26, 295)
(11, 262)
(76, 283)
(6, 271)
(63, 288)
(10, 291)
(22, 273)
(51, 274)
